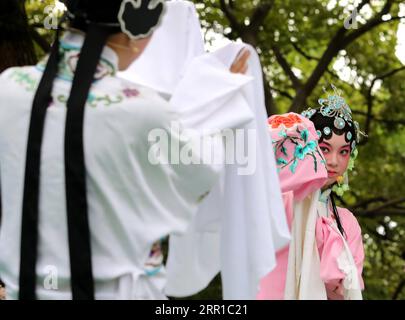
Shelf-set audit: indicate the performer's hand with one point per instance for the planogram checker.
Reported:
(2, 293)
(240, 64)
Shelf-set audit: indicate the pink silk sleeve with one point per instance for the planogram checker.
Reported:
(299, 160)
(302, 171)
(330, 246)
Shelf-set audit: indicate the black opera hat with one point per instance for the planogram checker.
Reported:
(139, 18)
(136, 18)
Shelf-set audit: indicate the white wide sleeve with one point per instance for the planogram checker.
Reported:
(242, 222)
(209, 97)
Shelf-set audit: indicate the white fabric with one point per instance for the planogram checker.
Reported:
(132, 203)
(303, 271)
(351, 282)
(172, 47)
(246, 210)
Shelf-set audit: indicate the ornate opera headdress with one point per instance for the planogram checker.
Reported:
(335, 116)
(335, 107)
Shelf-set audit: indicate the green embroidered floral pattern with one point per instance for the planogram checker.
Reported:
(106, 100)
(69, 57)
(94, 100)
(24, 78)
(303, 148)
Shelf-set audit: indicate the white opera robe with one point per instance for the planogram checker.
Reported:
(241, 223)
(131, 202)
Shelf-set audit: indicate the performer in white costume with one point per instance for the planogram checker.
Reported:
(241, 223)
(82, 200)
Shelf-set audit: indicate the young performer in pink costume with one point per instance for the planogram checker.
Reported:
(325, 257)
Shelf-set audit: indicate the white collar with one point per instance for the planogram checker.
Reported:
(323, 197)
(70, 46)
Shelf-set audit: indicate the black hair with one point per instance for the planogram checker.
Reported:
(15, 38)
(336, 214)
(321, 122)
(119, 16)
(81, 12)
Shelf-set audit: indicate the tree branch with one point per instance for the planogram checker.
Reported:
(259, 15)
(390, 73)
(334, 75)
(399, 289)
(230, 16)
(365, 203)
(250, 32)
(286, 67)
(309, 57)
(382, 213)
(370, 97)
(43, 44)
(338, 42)
(323, 63)
(270, 104)
(370, 24)
(386, 121)
(388, 204)
(377, 235)
(362, 4)
(283, 93)
(381, 210)
(303, 53)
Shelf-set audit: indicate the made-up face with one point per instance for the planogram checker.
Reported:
(337, 155)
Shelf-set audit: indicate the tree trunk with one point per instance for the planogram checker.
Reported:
(300, 100)
(16, 45)
(271, 107)
(251, 38)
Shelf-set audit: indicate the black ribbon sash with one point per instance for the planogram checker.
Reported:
(82, 282)
(75, 170)
(30, 216)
